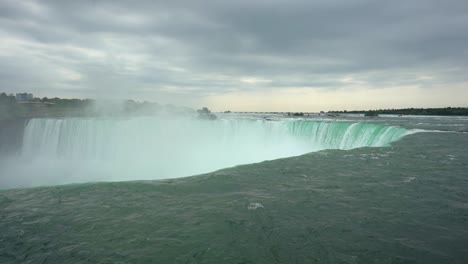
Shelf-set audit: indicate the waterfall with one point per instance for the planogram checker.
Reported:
(153, 148)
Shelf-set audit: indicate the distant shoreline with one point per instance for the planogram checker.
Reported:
(446, 111)
(45, 107)
(11, 108)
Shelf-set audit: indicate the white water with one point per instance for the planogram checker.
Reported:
(58, 151)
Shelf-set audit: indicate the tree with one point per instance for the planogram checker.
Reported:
(205, 113)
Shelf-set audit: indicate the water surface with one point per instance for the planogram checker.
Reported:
(406, 202)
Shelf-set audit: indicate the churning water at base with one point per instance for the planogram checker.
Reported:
(58, 151)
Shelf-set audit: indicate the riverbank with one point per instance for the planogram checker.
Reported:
(446, 111)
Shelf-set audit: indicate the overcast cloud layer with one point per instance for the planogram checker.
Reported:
(242, 55)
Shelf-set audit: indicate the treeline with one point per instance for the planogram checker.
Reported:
(64, 102)
(11, 100)
(59, 107)
(447, 111)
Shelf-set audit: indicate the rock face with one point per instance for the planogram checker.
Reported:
(11, 135)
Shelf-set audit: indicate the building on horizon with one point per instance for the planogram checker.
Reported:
(23, 97)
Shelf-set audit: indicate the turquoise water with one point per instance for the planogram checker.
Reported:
(402, 201)
(76, 150)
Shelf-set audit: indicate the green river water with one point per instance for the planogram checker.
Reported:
(403, 201)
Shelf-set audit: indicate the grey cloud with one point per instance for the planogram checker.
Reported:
(206, 47)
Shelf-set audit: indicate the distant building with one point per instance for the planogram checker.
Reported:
(23, 97)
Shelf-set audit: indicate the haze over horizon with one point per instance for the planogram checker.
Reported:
(240, 55)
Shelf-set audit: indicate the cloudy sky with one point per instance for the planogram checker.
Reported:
(251, 55)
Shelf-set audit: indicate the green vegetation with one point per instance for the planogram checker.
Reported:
(205, 113)
(447, 111)
(371, 113)
(45, 107)
(295, 114)
(58, 107)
